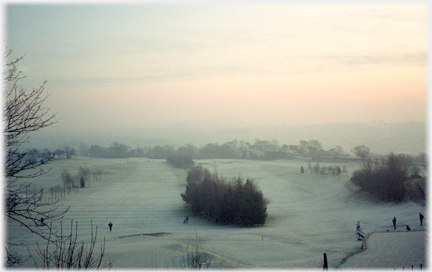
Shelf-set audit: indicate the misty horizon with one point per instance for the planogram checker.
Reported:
(153, 65)
(382, 138)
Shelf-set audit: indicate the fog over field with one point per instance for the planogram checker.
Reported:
(308, 215)
(382, 138)
(270, 88)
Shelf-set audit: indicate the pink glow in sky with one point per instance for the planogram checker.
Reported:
(268, 64)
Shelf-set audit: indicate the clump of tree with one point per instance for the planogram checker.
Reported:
(115, 150)
(334, 170)
(386, 178)
(180, 161)
(71, 181)
(197, 174)
(235, 202)
(160, 152)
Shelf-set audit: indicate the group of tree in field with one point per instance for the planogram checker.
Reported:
(317, 169)
(236, 202)
(73, 182)
(390, 178)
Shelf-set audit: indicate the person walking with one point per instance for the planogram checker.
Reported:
(186, 220)
(110, 225)
(358, 226)
(360, 234)
(394, 222)
(421, 219)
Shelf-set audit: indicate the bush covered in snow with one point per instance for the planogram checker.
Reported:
(236, 202)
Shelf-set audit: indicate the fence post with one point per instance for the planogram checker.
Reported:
(325, 267)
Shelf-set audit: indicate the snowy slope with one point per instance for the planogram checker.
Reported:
(308, 215)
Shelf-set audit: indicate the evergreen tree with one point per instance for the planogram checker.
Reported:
(236, 202)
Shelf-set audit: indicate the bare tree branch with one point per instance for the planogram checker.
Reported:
(24, 113)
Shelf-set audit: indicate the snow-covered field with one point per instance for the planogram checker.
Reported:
(308, 215)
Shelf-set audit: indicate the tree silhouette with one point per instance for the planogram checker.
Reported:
(24, 113)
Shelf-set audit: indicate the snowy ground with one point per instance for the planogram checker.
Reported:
(391, 249)
(308, 215)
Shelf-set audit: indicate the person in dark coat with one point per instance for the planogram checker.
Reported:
(408, 228)
(421, 219)
(394, 222)
(186, 220)
(110, 226)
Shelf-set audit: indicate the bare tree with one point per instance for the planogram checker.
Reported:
(24, 113)
(196, 259)
(84, 172)
(68, 180)
(315, 144)
(71, 254)
(361, 151)
(70, 151)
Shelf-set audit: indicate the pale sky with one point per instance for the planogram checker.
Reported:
(268, 64)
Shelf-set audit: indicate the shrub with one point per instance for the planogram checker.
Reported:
(68, 180)
(385, 179)
(236, 202)
(82, 183)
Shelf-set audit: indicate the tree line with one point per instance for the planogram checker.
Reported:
(181, 157)
(259, 150)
